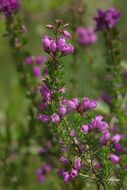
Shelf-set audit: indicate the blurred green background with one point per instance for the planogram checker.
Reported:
(37, 14)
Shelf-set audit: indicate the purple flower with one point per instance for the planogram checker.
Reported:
(71, 104)
(46, 168)
(43, 106)
(77, 164)
(40, 60)
(59, 45)
(62, 111)
(9, 7)
(60, 173)
(43, 118)
(64, 160)
(105, 138)
(61, 42)
(88, 104)
(84, 128)
(40, 176)
(74, 173)
(112, 17)
(53, 46)
(116, 138)
(29, 60)
(107, 19)
(36, 71)
(86, 36)
(67, 49)
(64, 47)
(100, 20)
(66, 34)
(49, 45)
(72, 133)
(46, 41)
(118, 148)
(75, 100)
(67, 177)
(41, 172)
(55, 118)
(99, 124)
(114, 158)
(62, 90)
(45, 92)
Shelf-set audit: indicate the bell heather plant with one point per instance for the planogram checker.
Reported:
(86, 36)
(75, 140)
(88, 147)
(28, 68)
(106, 22)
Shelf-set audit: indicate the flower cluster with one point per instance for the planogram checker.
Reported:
(7, 7)
(86, 141)
(106, 139)
(107, 19)
(59, 45)
(73, 172)
(81, 106)
(42, 172)
(100, 131)
(86, 36)
(35, 62)
(66, 106)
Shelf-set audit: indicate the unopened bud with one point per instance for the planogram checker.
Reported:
(66, 25)
(49, 26)
(58, 22)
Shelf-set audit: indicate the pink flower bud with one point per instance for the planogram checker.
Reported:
(72, 133)
(114, 158)
(61, 43)
(71, 104)
(84, 128)
(118, 148)
(55, 118)
(77, 164)
(64, 160)
(53, 46)
(67, 177)
(67, 49)
(36, 71)
(74, 173)
(46, 41)
(29, 60)
(40, 60)
(88, 104)
(105, 138)
(66, 34)
(116, 138)
(62, 111)
(43, 118)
